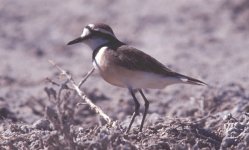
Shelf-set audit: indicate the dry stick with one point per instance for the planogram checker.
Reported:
(83, 81)
(82, 95)
(86, 77)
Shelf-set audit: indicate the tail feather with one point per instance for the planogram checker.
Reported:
(190, 80)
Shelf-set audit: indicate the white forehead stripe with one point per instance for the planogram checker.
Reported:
(85, 32)
(91, 26)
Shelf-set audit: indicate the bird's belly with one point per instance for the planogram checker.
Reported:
(140, 79)
(123, 77)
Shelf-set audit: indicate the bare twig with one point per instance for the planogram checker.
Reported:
(81, 94)
(86, 77)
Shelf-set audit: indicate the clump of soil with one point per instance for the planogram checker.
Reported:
(210, 129)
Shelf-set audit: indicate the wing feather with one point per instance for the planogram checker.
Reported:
(135, 59)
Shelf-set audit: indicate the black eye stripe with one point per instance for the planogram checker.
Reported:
(89, 28)
(93, 31)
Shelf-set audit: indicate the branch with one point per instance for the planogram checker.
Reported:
(86, 77)
(81, 94)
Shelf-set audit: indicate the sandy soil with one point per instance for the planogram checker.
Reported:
(208, 40)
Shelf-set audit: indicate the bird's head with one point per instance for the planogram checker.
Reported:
(95, 35)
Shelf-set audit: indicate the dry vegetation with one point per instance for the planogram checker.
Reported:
(59, 129)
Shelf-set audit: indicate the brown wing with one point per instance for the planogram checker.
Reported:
(135, 59)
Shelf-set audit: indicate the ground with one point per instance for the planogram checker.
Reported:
(207, 40)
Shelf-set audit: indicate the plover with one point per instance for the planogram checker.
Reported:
(124, 66)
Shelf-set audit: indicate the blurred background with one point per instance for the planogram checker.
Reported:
(207, 40)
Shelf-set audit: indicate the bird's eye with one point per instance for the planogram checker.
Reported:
(89, 28)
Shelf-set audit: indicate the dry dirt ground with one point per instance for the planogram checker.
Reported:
(207, 39)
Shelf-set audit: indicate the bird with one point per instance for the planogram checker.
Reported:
(125, 66)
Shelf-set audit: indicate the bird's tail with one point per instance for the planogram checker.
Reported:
(189, 80)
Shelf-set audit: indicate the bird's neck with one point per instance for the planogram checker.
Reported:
(97, 42)
(111, 44)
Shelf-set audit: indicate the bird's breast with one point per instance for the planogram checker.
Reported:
(100, 60)
(106, 68)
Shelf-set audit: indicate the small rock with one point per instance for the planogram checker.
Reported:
(42, 124)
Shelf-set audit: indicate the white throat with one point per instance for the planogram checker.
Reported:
(96, 42)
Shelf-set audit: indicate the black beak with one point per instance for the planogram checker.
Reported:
(80, 39)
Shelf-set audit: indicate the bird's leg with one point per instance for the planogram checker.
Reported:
(136, 112)
(146, 107)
